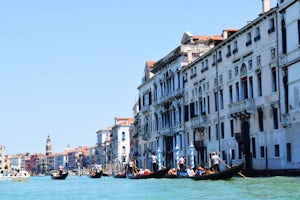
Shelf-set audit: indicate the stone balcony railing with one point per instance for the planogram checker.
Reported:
(286, 120)
(169, 95)
(200, 121)
(241, 108)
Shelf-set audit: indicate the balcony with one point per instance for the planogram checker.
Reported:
(172, 94)
(286, 120)
(242, 108)
(199, 121)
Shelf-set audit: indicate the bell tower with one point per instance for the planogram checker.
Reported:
(48, 146)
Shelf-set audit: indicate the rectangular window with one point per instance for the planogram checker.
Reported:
(186, 113)
(230, 94)
(251, 87)
(273, 54)
(244, 88)
(258, 61)
(257, 34)
(123, 135)
(288, 152)
(216, 101)
(217, 132)
(228, 51)
(219, 56)
(260, 119)
(231, 128)
(235, 47)
(259, 85)
(275, 117)
(208, 103)
(276, 148)
(262, 151)
(209, 133)
(250, 64)
(248, 40)
(271, 26)
(221, 100)
(274, 80)
(253, 148)
(224, 157)
(233, 154)
(222, 130)
(237, 90)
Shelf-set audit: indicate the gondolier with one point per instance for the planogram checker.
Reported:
(154, 162)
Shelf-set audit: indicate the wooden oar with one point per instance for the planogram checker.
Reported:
(239, 173)
(242, 175)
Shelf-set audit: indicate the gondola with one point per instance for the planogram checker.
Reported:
(96, 174)
(120, 175)
(59, 176)
(223, 175)
(159, 174)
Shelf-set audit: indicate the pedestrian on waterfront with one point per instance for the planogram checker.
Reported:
(181, 163)
(154, 162)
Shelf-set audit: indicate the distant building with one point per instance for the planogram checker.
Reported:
(119, 147)
(3, 159)
(48, 146)
(103, 141)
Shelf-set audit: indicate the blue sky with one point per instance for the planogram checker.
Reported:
(69, 67)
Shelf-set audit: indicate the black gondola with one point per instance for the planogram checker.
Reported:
(59, 176)
(96, 174)
(223, 175)
(159, 174)
(120, 175)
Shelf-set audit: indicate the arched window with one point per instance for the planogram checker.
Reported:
(123, 135)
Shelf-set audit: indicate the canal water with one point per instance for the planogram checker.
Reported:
(83, 187)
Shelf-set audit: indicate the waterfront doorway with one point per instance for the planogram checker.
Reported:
(169, 150)
(243, 140)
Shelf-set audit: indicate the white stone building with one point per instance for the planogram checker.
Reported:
(234, 100)
(3, 162)
(288, 22)
(238, 95)
(119, 147)
(160, 120)
(144, 139)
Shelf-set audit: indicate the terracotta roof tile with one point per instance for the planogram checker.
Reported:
(150, 63)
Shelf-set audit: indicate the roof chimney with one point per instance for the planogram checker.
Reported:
(265, 5)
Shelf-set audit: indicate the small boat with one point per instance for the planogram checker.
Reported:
(5, 176)
(59, 176)
(223, 175)
(20, 176)
(120, 175)
(96, 174)
(159, 174)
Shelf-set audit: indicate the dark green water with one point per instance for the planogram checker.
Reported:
(111, 188)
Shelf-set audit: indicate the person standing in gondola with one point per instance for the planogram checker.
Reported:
(181, 163)
(130, 166)
(215, 159)
(154, 162)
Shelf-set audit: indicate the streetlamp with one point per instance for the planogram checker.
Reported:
(177, 153)
(192, 155)
(158, 158)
